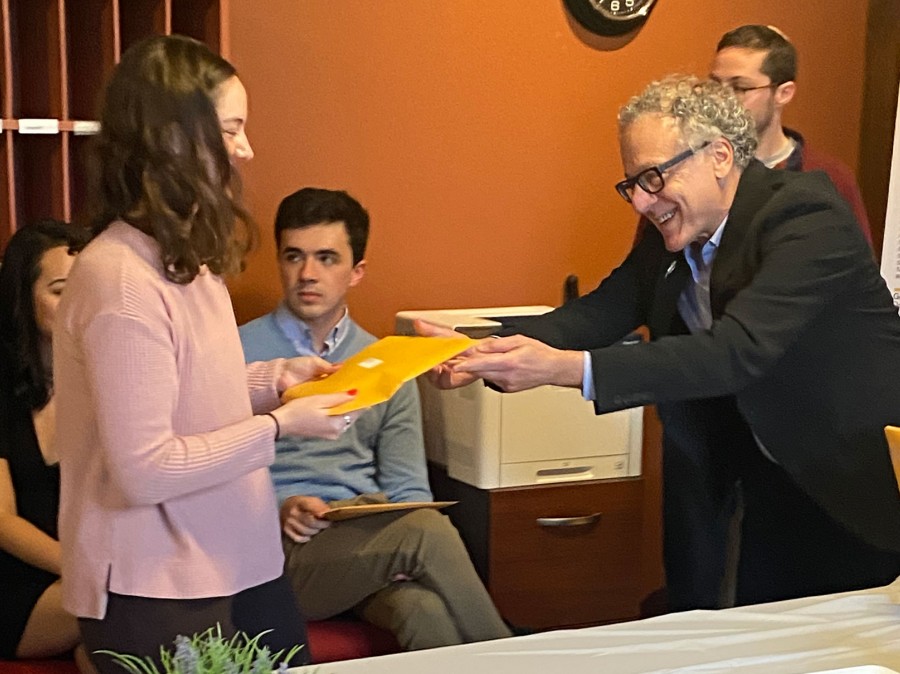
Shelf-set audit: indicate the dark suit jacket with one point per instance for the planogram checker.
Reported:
(805, 338)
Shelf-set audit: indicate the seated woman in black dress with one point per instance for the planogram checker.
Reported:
(34, 270)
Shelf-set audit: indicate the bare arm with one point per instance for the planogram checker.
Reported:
(18, 536)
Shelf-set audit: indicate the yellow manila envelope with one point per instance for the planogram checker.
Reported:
(378, 371)
(893, 437)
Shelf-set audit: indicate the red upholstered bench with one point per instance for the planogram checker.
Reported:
(347, 639)
(329, 641)
(39, 667)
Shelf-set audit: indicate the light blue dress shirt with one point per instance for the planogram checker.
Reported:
(693, 303)
(299, 334)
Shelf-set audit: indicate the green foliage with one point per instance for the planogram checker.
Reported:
(210, 653)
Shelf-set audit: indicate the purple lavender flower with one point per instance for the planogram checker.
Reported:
(262, 664)
(186, 657)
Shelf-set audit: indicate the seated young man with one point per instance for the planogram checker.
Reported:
(408, 572)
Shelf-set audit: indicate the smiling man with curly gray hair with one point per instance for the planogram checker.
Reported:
(704, 110)
(676, 136)
(751, 282)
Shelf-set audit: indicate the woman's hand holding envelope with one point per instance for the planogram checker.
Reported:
(303, 368)
(313, 416)
(380, 369)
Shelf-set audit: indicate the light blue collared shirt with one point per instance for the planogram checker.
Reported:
(299, 334)
(693, 303)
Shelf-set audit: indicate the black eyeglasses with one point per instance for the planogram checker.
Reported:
(740, 91)
(651, 179)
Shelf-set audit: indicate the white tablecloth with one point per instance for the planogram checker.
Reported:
(813, 634)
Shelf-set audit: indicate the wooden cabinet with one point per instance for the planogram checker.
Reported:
(54, 58)
(559, 555)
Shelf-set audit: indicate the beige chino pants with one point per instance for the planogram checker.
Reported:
(353, 563)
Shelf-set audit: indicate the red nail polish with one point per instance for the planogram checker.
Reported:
(352, 392)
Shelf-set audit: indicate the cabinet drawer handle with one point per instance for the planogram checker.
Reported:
(579, 521)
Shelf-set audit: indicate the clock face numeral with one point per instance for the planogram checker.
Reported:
(622, 9)
(610, 17)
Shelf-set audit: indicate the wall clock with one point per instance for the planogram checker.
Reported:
(610, 17)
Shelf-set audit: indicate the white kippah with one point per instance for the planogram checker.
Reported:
(775, 29)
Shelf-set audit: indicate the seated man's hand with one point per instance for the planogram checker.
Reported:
(301, 517)
(518, 363)
(302, 368)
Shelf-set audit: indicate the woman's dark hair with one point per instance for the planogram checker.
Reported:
(20, 338)
(160, 163)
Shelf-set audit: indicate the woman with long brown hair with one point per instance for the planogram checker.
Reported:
(168, 520)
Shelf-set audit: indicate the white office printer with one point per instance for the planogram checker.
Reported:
(548, 434)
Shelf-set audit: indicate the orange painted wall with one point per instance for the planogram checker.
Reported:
(481, 135)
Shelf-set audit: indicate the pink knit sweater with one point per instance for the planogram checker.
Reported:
(165, 487)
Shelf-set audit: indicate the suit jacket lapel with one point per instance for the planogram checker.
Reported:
(733, 259)
(673, 275)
